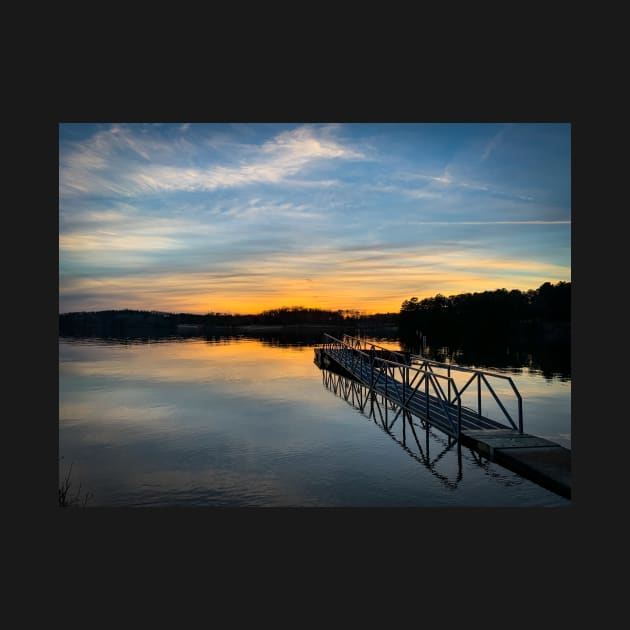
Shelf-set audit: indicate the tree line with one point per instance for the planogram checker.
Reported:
(128, 322)
(489, 316)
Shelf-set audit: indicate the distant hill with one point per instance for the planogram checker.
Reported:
(113, 323)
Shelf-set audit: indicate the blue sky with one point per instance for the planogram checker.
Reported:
(245, 217)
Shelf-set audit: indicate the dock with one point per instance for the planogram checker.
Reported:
(414, 386)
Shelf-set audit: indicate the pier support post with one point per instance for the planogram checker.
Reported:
(479, 395)
(426, 389)
(448, 373)
(459, 426)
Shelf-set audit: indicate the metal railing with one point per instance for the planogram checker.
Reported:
(366, 346)
(481, 377)
(373, 370)
(400, 379)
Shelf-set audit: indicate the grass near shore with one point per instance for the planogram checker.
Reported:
(68, 499)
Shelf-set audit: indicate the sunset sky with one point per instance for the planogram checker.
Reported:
(191, 217)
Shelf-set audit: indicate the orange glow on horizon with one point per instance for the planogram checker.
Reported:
(250, 307)
(367, 291)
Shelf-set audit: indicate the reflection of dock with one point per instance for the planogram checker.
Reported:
(414, 386)
(353, 392)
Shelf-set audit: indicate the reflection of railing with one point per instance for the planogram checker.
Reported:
(357, 394)
(414, 386)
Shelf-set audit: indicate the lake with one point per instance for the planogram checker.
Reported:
(253, 422)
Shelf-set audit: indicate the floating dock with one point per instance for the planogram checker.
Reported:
(414, 385)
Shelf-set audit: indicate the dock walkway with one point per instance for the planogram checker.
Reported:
(427, 390)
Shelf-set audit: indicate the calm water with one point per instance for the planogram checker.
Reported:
(242, 422)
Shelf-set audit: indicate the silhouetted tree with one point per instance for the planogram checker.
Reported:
(485, 316)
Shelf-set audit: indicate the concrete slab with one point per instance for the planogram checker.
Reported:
(552, 458)
(516, 441)
(484, 433)
(487, 441)
(537, 459)
(550, 466)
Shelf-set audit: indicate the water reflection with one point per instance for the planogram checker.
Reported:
(428, 450)
(240, 361)
(232, 420)
(195, 360)
(551, 360)
(274, 336)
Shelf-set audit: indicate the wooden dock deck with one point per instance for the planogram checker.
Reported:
(413, 384)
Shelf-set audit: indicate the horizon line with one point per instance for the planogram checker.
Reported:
(361, 312)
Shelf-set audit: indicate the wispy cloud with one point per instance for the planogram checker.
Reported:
(412, 193)
(113, 242)
(314, 183)
(282, 280)
(448, 180)
(494, 142)
(99, 164)
(275, 161)
(286, 155)
(245, 217)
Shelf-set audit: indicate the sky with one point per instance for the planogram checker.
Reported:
(245, 217)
